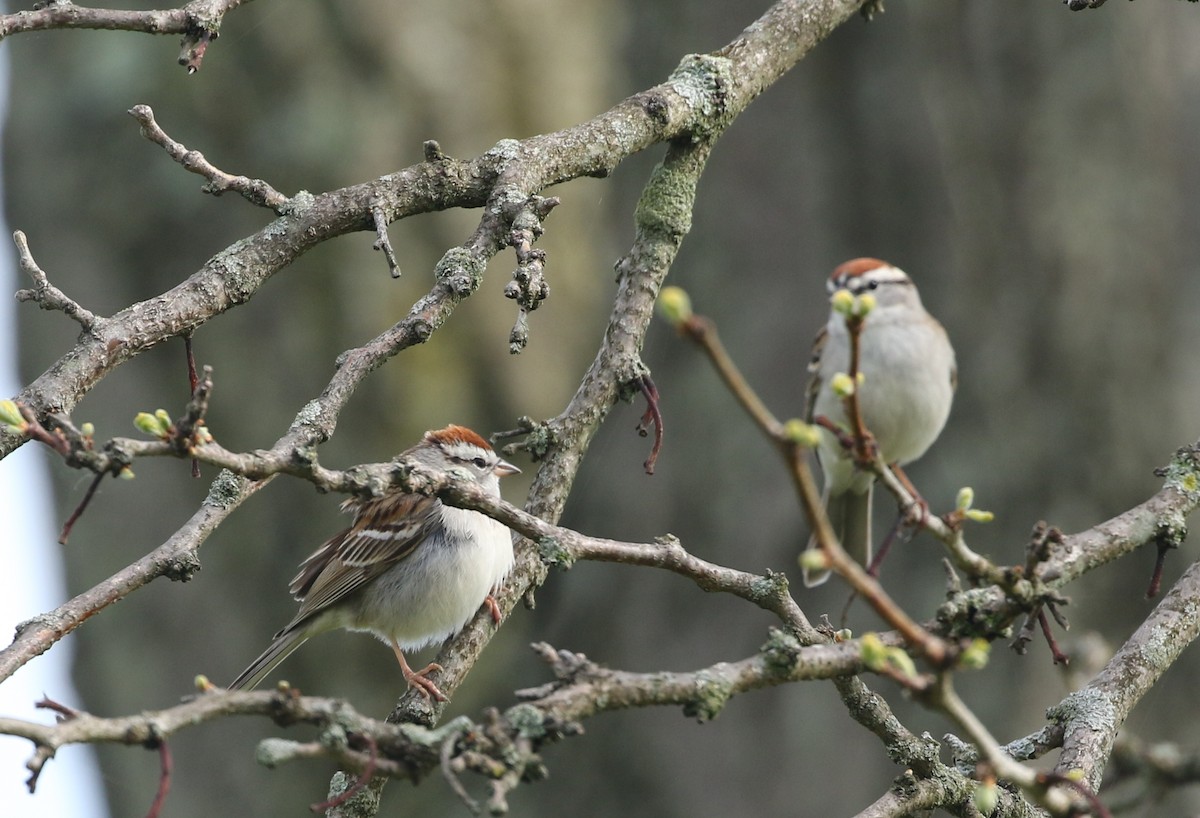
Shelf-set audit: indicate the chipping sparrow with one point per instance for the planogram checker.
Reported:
(908, 383)
(409, 569)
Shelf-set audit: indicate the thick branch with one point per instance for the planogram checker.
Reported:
(1091, 717)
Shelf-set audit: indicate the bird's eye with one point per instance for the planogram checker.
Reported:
(871, 285)
(480, 462)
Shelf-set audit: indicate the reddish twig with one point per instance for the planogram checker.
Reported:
(164, 779)
(79, 509)
(38, 432)
(653, 414)
(1160, 562)
(64, 712)
(888, 541)
(1060, 658)
(193, 382)
(844, 440)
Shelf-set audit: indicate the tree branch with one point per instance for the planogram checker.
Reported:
(1091, 717)
(198, 21)
(255, 191)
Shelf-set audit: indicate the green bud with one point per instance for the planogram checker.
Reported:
(87, 429)
(203, 435)
(126, 473)
(202, 683)
(863, 305)
(966, 496)
(986, 797)
(843, 635)
(801, 433)
(674, 305)
(163, 418)
(975, 656)
(872, 651)
(978, 515)
(146, 422)
(10, 415)
(900, 660)
(842, 302)
(813, 559)
(842, 385)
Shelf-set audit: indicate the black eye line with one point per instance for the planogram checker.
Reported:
(875, 284)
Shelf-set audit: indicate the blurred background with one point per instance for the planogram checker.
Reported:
(1034, 170)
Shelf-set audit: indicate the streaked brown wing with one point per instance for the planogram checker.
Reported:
(814, 374)
(385, 531)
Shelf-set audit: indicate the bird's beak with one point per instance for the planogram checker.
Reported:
(504, 469)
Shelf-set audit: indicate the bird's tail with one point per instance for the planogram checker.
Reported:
(285, 642)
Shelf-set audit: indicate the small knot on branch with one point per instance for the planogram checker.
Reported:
(528, 286)
(193, 46)
(433, 151)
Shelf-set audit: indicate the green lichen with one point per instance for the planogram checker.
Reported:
(461, 270)
(225, 490)
(702, 80)
(539, 439)
(665, 206)
(770, 587)
(781, 651)
(1086, 707)
(308, 416)
(1183, 473)
(299, 203)
(711, 694)
(553, 552)
(527, 720)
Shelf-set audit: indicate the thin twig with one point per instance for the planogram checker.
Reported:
(255, 191)
(47, 296)
(704, 332)
(382, 242)
(79, 509)
(450, 774)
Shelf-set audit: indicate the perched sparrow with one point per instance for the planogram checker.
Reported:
(908, 383)
(409, 569)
